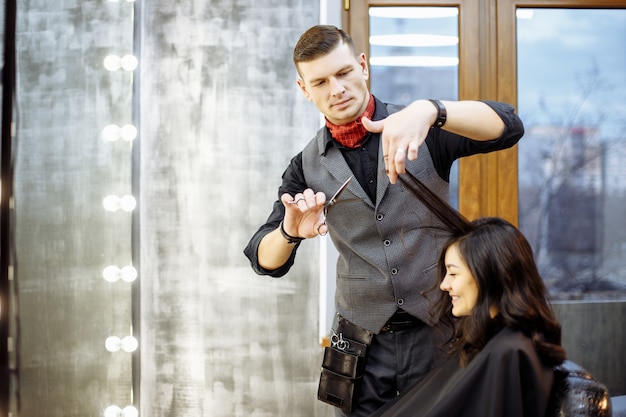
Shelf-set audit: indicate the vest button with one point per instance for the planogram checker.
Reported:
(379, 217)
(387, 242)
(394, 271)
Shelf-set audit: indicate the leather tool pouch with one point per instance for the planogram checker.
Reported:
(343, 364)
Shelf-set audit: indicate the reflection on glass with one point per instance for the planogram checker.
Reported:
(414, 55)
(572, 159)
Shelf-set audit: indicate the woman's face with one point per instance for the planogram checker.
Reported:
(459, 283)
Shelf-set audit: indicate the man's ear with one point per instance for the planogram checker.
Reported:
(300, 83)
(363, 65)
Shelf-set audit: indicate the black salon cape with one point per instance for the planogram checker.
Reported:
(506, 379)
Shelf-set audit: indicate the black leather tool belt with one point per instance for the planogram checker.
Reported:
(343, 364)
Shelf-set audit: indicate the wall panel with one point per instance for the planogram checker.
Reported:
(221, 116)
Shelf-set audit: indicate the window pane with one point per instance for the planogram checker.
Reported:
(572, 159)
(414, 55)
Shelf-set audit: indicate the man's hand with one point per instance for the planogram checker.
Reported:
(304, 214)
(304, 217)
(405, 131)
(402, 135)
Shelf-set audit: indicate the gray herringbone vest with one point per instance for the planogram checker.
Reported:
(388, 249)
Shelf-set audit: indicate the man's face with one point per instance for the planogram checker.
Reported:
(337, 84)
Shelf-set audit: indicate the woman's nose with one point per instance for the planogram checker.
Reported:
(444, 286)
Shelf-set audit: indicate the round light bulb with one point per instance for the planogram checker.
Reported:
(111, 273)
(128, 203)
(129, 344)
(129, 410)
(111, 133)
(128, 273)
(111, 203)
(112, 63)
(113, 343)
(129, 62)
(128, 132)
(113, 411)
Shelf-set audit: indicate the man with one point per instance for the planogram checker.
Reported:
(387, 262)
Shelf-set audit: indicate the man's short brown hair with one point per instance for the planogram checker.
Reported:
(318, 41)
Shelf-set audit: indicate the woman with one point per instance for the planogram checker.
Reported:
(505, 338)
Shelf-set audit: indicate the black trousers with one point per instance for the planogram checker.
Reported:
(396, 360)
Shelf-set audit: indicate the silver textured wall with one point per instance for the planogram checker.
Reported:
(221, 116)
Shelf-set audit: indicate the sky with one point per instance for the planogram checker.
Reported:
(567, 54)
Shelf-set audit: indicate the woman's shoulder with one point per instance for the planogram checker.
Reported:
(509, 343)
(510, 355)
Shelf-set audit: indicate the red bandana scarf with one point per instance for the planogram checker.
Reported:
(351, 135)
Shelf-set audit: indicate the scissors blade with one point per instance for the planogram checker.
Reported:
(333, 199)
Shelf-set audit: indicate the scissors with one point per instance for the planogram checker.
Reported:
(337, 340)
(328, 204)
(331, 202)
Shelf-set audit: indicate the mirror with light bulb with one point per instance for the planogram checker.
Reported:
(74, 208)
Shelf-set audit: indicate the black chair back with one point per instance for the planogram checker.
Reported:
(576, 393)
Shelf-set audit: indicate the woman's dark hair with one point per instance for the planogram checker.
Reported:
(502, 263)
(319, 41)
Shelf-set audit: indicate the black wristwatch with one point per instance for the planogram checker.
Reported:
(442, 114)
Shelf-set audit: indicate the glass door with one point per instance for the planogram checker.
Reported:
(572, 175)
(414, 54)
(571, 92)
